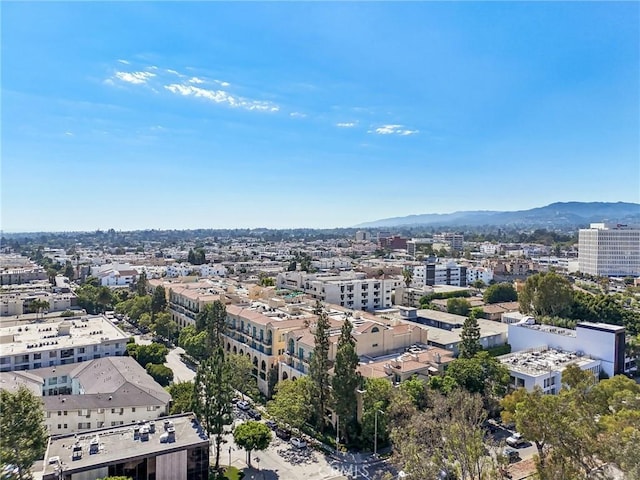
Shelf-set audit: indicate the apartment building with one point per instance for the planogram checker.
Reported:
(349, 289)
(115, 274)
(439, 274)
(474, 274)
(455, 241)
(375, 337)
(15, 303)
(609, 250)
(176, 448)
(187, 299)
(259, 332)
(97, 393)
(36, 345)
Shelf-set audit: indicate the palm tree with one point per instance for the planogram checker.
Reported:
(407, 274)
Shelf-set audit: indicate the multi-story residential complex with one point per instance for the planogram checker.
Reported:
(410, 296)
(490, 248)
(337, 263)
(439, 274)
(413, 245)
(600, 341)
(176, 448)
(259, 332)
(445, 328)
(454, 240)
(349, 289)
(15, 303)
(609, 250)
(474, 274)
(187, 299)
(362, 236)
(24, 274)
(36, 345)
(375, 337)
(98, 393)
(115, 274)
(395, 242)
(543, 367)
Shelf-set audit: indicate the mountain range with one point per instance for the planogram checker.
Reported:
(560, 214)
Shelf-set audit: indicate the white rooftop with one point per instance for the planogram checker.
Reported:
(542, 361)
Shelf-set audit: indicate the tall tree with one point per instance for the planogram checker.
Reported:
(242, 377)
(376, 398)
(212, 397)
(346, 379)
(546, 294)
(213, 320)
(251, 436)
(319, 367)
(24, 435)
(158, 300)
(469, 338)
(181, 397)
(164, 326)
(142, 284)
(407, 276)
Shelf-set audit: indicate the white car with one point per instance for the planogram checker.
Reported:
(242, 405)
(297, 442)
(515, 440)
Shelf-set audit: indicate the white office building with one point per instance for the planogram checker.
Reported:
(599, 341)
(609, 250)
(543, 367)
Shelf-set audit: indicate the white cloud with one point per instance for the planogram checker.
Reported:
(220, 96)
(222, 84)
(68, 134)
(174, 72)
(346, 124)
(298, 115)
(393, 130)
(135, 77)
(196, 80)
(123, 61)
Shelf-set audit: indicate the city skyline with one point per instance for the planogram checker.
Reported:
(318, 115)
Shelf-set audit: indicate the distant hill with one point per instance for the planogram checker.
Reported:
(560, 214)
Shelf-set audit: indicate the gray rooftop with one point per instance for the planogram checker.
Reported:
(117, 445)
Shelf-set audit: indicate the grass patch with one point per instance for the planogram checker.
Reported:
(232, 473)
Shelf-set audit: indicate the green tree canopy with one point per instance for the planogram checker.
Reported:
(181, 397)
(377, 397)
(251, 436)
(458, 306)
(291, 403)
(500, 292)
(24, 435)
(546, 294)
(153, 353)
(242, 377)
(193, 342)
(160, 373)
(158, 300)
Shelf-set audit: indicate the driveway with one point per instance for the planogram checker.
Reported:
(181, 372)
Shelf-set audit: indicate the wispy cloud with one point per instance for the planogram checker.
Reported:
(136, 78)
(173, 72)
(220, 96)
(196, 80)
(346, 124)
(126, 62)
(68, 134)
(222, 84)
(393, 130)
(298, 115)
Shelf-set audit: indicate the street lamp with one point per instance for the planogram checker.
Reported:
(375, 432)
(230, 448)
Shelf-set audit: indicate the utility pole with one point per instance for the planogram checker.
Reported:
(375, 432)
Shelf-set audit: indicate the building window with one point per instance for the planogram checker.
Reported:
(374, 345)
(133, 409)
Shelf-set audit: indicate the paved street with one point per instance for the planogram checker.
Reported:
(181, 372)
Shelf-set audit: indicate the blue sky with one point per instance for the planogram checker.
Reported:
(223, 115)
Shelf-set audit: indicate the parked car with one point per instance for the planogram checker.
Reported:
(283, 434)
(235, 400)
(254, 414)
(511, 454)
(271, 424)
(242, 405)
(298, 443)
(515, 440)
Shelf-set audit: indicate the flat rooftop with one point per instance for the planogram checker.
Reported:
(543, 361)
(38, 337)
(547, 328)
(118, 445)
